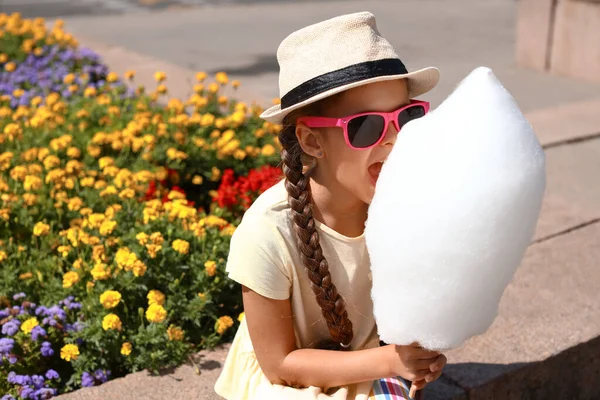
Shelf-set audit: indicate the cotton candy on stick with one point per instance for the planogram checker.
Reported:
(455, 208)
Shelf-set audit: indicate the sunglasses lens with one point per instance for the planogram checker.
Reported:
(366, 130)
(409, 114)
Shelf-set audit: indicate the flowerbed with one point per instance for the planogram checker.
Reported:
(115, 214)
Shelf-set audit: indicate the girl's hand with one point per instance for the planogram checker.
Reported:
(416, 364)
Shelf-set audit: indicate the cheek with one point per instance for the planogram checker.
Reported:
(352, 167)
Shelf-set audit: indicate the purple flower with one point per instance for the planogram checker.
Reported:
(87, 380)
(47, 350)
(11, 327)
(57, 312)
(44, 393)
(15, 379)
(101, 376)
(4, 313)
(26, 392)
(38, 381)
(36, 332)
(76, 327)
(6, 345)
(12, 359)
(11, 377)
(52, 374)
(41, 310)
(7, 397)
(19, 296)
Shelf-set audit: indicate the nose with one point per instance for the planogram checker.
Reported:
(391, 134)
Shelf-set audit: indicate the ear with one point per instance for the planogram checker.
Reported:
(310, 141)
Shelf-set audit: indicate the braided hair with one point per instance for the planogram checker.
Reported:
(297, 184)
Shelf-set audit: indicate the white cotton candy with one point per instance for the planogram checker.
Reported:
(455, 208)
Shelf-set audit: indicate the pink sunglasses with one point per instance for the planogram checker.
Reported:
(366, 130)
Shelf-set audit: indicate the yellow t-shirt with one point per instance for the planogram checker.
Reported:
(265, 258)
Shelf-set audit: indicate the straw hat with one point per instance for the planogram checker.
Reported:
(335, 55)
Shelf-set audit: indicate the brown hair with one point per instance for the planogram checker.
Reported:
(297, 184)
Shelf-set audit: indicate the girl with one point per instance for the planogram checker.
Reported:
(299, 253)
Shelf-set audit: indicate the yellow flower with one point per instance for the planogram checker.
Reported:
(3, 58)
(95, 220)
(222, 78)
(70, 278)
(216, 174)
(235, 84)
(41, 229)
(197, 180)
(100, 272)
(214, 221)
(26, 275)
(87, 181)
(64, 250)
(111, 321)
(157, 238)
(105, 162)
(223, 100)
(112, 77)
(175, 333)
(110, 299)
(142, 238)
(69, 352)
(32, 183)
(181, 246)
(129, 74)
(228, 230)
(213, 88)
(10, 67)
(89, 91)
(162, 89)
(28, 325)
(126, 348)
(156, 313)
(3, 255)
(18, 93)
(207, 120)
(153, 250)
(223, 323)
(211, 268)
(107, 227)
(267, 150)
(241, 317)
(125, 258)
(69, 79)
(139, 268)
(13, 131)
(78, 263)
(109, 191)
(239, 154)
(75, 204)
(156, 297)
(160, 76)
(201, 76)
(73, 152)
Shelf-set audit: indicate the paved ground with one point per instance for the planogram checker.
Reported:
(545, 342)
(68, 8)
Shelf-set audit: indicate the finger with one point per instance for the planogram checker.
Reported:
(420, 374)
(439, 363)
(432, 376)
(420, 384)
(421, 364)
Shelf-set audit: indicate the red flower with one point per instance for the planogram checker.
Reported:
(241, 192)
